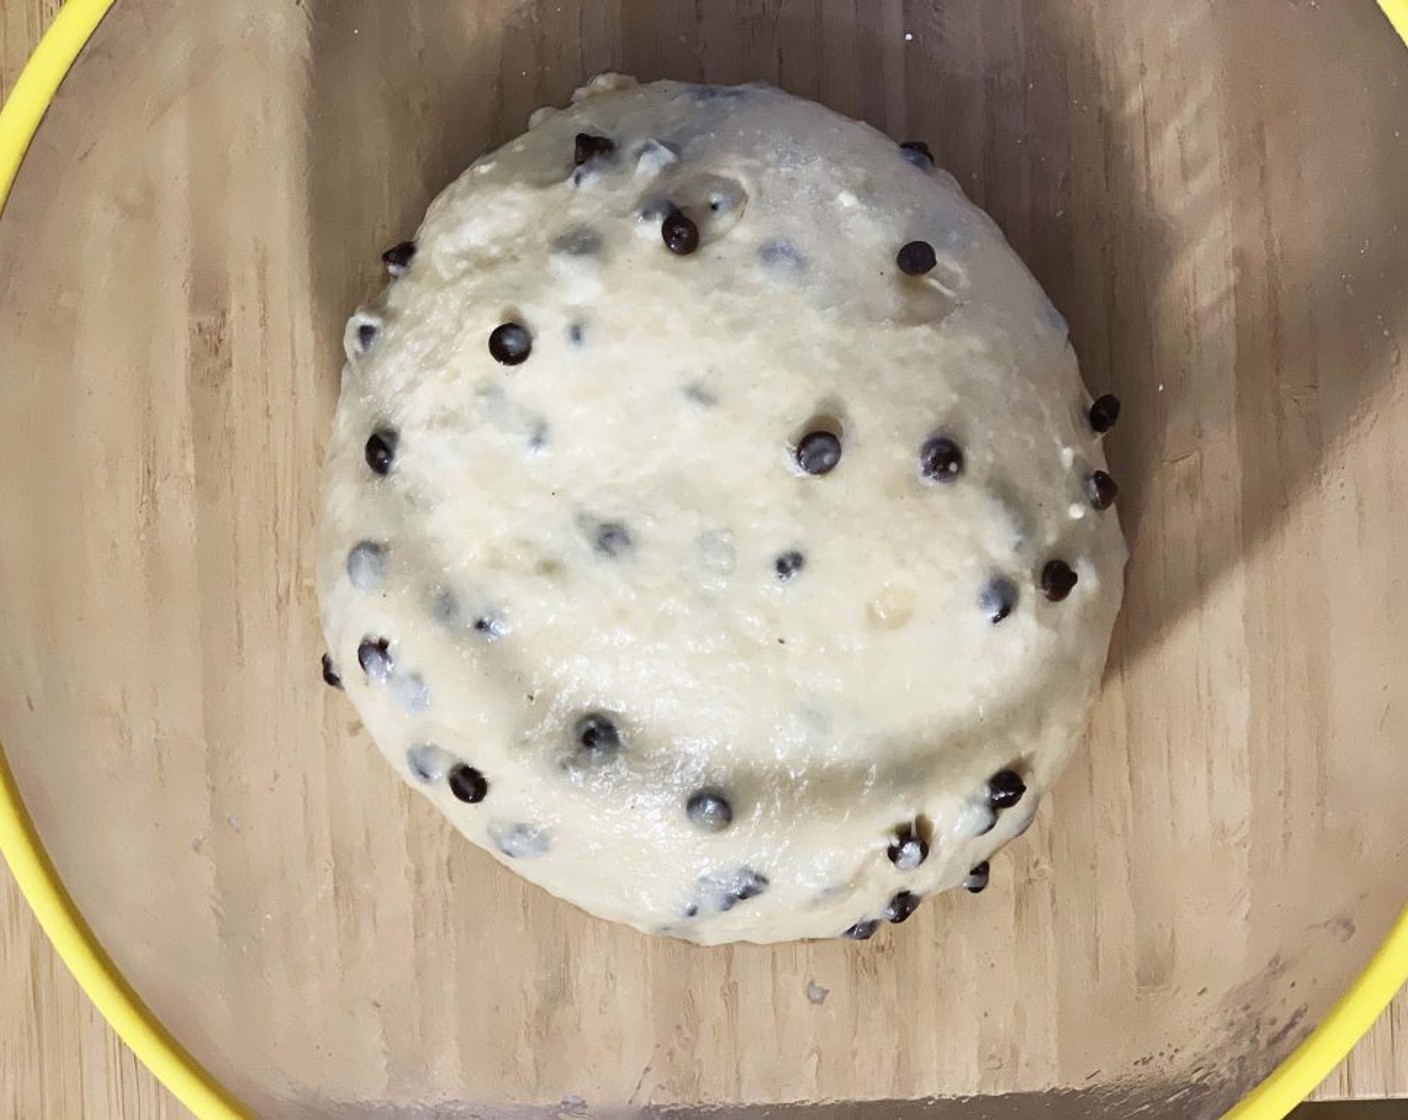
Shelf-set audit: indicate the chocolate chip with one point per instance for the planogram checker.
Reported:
(398, 258)
(789, 564)
(977, 880)
(680, 234)
(916, 258)
(575, 333)
(521, 841)
(738, 886)
(611, 538)
(998, 599)
(863, 930)
(492, 627)
(1103, 490)
(918, 153)
(654, 156)
(446, 607)
(579, 241)
(700, 395)
(899, 908)
(709, 810)
(366, 565)
(721, 202)
(467, 784)
(1057, 580)
(818, 453)
(374, 656)
(330, 674)
(510, 344)
(908, 849)
(781, 257)
(940, 459)
(1005, 789)
(381, 450)
(366, 335)
(411, 692)
(596, 733)
(588, 147)
(428, 762)
(1104, 413)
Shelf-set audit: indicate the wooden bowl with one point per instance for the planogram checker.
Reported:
(1216, 196)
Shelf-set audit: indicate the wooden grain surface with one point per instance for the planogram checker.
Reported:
(1216, 197)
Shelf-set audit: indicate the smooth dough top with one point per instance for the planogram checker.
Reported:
(702, 514)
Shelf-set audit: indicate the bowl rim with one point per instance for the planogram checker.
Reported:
(1290, 1083)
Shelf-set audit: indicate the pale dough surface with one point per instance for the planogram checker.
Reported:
(597, 530)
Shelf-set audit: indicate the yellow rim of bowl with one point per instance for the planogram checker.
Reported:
(1289, 1084)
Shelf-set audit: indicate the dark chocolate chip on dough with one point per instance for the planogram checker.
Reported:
(374, 656)
(788, 564)
(398, 258)
(899, 908)
(977, 880)
(918, 153)
(510, 344)
(1104, 413)
(680, 234)
(597, 734)
(467, 784)
(723, 890)
(709, 810)
(381, 450)
(747, 884)
(331, 678)
(863, 930)
(915, 258)
(998, 599)
(1102, 490)
(428, 762)
(492, 626)
(908, 849)
(587, 147)
(366, 565)
(1058, 579)
(818, 452)
(940, 459)
(521, 841)
(1005, 789)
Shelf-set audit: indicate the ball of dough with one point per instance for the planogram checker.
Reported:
(715, 528)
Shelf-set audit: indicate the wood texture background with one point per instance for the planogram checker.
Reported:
(1219, 200)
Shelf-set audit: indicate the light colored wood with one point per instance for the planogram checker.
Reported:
(1217, 195)
(57, 1056)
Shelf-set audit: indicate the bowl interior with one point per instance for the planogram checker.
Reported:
(1217, 198)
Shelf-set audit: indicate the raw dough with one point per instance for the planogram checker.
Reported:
(581, 587)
